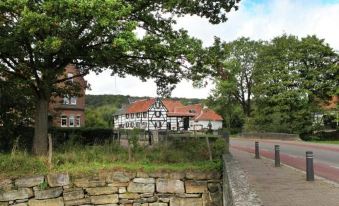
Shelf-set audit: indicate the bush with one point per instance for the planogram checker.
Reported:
(320, 136)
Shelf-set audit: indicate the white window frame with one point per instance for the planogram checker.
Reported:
(127, 116)
(144, 114)
(132, 116)
(73, 100)
(71, 121)
(66, 100)
(63, 117)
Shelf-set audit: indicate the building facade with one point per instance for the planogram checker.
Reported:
(69, 111)
(166, 114)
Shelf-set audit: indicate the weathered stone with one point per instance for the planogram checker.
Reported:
(186, 201)
(140, 188)
(88, 183)
(5, 185)
(146, 195)
(122, 190)
(58, 180)
(20, 204)
(19, 194)
(170, 186)
(120, 177)
(21, 201)
(195, 195)
(216, 198)
(49, 202)
(144, 180)
(193, 186)
(3, 203)
(118, 184)
(158, 204)
(129, 196)
(142, 174)
(168, 175)
(214, 187)
(101, 190)
(29, 181)
(164, 199)
(48, 194)
(150, 199)
(78, 202)
(126, 202)
(73, 194)
(104, 199)
(195, 175)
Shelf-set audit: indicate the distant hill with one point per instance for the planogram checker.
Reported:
(117, 101)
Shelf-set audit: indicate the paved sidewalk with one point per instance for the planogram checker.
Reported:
(285, 186)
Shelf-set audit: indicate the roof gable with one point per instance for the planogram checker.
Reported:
(140, 106)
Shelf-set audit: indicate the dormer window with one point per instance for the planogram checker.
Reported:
(157, 104)
(158, 113)
(132, 116)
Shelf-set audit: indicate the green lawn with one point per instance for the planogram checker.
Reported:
(75, 159)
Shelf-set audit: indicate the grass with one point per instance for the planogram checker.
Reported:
(190, 154)
(326, 142)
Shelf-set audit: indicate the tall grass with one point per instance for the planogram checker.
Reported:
(75, 158)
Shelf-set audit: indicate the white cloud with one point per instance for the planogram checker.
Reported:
(257, 21)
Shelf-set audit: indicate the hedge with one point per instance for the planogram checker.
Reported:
(60, 136)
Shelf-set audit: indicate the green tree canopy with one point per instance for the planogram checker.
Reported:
(293, 76)
(38, 38)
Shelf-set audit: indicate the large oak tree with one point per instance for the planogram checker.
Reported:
(38, 38)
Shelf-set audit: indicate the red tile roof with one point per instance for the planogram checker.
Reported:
(171, 104)
(208, 114)
(140, 106)
(176, 108)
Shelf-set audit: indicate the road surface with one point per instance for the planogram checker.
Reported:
(292, 153)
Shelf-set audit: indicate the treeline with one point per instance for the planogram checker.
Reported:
(99, 108)
(272, 86)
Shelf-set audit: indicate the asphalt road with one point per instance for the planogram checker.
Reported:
(292, 153)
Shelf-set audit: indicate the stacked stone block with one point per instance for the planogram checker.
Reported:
(113, 188)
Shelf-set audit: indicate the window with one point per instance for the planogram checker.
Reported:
(144, 124)
(138, 115)
(132, 116)
(145, 114)
(127, 116)
(132, 124)
(157, 113)
(66, 100)
(137, 124)
(71, 121)
(73, 100)
(127, 124)
(63, 121)
(77, 121)
(159, 125)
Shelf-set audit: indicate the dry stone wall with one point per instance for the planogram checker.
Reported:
(113, 188)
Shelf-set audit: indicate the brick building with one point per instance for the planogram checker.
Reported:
(69, 111)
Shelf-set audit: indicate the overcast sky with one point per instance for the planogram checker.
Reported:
(256, 19)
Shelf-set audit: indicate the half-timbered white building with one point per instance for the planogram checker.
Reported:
(166, 114)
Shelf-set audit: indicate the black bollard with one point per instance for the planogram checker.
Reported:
(309, 166)
(257, 156)
(277, 155)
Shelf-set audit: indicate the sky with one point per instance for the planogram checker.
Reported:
(256, 19)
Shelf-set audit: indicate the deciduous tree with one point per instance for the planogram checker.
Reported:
(38, 38)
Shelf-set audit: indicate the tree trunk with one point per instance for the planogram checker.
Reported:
(40, 127)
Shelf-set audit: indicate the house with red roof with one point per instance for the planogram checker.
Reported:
(166, 114)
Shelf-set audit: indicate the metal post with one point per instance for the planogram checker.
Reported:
(257, 156)
(277, 155)
(309, 166)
